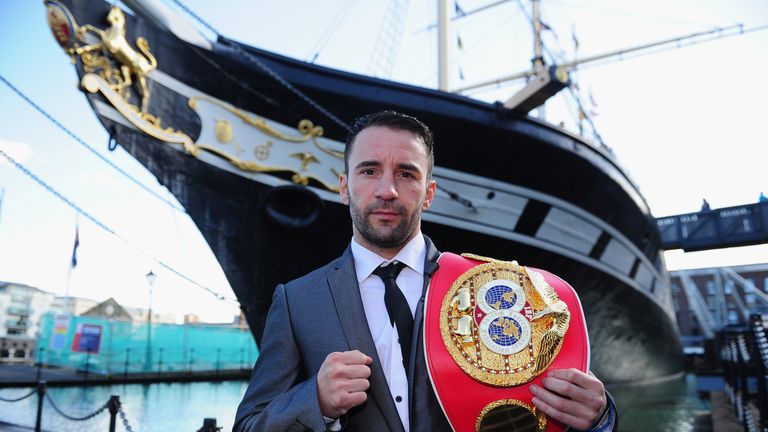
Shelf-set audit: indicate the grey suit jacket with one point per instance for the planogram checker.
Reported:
(311, 317)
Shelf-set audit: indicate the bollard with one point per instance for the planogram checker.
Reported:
(114, 406)
(40, 352)
(41, 388)
(209, 425)
(87, 363)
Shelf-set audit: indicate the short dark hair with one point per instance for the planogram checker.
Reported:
(397, 121)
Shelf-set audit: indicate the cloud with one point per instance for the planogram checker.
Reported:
(17, 150)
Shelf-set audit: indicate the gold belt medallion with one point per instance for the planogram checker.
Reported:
(502, 323)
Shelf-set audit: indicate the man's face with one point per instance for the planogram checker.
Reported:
(386, 188)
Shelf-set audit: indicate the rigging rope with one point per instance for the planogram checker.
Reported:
(322, 40)
(87, 146)
(264, 68)
(575, 95)
(103, 226)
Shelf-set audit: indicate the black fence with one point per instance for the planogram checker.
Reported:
(744, 353)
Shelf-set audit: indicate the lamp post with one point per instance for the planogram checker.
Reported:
(151, 277)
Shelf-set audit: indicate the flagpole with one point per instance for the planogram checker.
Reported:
(442, 43)
(72, 264)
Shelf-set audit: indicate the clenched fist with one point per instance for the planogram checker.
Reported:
(342, 382)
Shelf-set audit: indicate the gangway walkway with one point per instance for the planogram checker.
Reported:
(742, 225)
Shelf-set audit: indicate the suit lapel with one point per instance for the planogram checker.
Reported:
(430, 267)
(349, 308)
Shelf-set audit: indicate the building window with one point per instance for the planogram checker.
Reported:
(765, 284)
(750, 284)
(733, 317)
(711, 287)
(729, 284)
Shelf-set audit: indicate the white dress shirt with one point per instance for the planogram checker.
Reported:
(385, 337)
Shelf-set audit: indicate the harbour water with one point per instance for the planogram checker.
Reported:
(668, 406)
(160, 407)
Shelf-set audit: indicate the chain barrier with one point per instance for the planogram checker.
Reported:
(113, 405)
(124, 419)
(88, 146)
(18, 399)
(73, 418)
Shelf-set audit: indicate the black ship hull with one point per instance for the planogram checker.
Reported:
(512, 187)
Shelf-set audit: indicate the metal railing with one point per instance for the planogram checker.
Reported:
(158, 360)
(744, 353)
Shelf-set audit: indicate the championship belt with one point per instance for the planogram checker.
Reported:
(492, 328)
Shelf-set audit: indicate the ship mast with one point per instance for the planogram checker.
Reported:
(538, 55)
(442, 43)
(675, 42)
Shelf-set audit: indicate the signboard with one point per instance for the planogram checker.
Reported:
(60, 331)
(87, 338)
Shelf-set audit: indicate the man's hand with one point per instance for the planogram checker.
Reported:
(342, 382)
(572, 397)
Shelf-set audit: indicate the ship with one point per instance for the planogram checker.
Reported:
(251, 144)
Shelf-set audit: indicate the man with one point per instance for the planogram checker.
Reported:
(332, 356)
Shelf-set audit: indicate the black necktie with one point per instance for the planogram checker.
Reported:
(397, 307)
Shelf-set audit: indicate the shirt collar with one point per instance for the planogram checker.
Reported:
(412, 254)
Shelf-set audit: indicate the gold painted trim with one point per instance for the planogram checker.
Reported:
(308, 130)
(305, 126)
(94, 83)
(75, 27)
(150, 125)
(539, 415)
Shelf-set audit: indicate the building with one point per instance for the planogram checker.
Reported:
(74, 305)
(110, 309)
(707, 299)
(21, 307)
(141, 315)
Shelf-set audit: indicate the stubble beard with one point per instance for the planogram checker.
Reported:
(385, 237)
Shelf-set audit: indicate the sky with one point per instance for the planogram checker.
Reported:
(686, 123)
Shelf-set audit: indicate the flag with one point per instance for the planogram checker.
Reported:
(459, 43)
(459, 10)
(461, 74)
(74, 249)
(544, 25)
(575, 39)
(592, 111)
